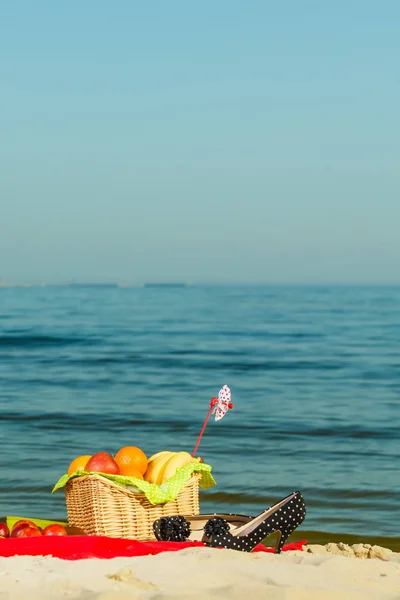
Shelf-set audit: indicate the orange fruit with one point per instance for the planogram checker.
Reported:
(132, 456)
(78, 464)
(130, 471)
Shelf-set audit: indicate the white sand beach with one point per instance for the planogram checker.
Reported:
(331, 572)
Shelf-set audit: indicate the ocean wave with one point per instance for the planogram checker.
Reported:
(38, 341)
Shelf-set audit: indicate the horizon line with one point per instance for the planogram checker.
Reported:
(184, 284)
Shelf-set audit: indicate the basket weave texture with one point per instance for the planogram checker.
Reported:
(99, 506)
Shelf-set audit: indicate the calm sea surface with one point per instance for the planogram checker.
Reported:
(314, 374)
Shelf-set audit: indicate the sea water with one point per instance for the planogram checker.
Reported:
(314, 374)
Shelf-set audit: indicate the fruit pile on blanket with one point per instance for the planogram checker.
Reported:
(15, 527)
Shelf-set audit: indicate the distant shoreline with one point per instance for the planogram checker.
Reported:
(5, 284)
(181, 285)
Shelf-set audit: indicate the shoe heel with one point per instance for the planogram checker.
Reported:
(280, 542)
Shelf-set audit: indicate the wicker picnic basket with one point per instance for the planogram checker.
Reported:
(99, 506)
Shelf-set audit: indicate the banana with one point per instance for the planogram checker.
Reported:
(163, 465)
(158, 454)
(175, 462)
(156, 467)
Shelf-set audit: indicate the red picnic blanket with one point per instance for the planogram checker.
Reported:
(78, 547)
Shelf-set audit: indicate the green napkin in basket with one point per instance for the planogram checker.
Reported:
(156, 494)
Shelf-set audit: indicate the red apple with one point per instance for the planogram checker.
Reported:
(4, 531)
(20, 525)
(16, 532)
(23, 522)
(29, 532)
(54, 529)
(102, 462)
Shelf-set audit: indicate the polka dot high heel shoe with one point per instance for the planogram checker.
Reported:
(283, 518)
(238, 532)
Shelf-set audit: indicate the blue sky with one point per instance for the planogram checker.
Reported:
(210, 141)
